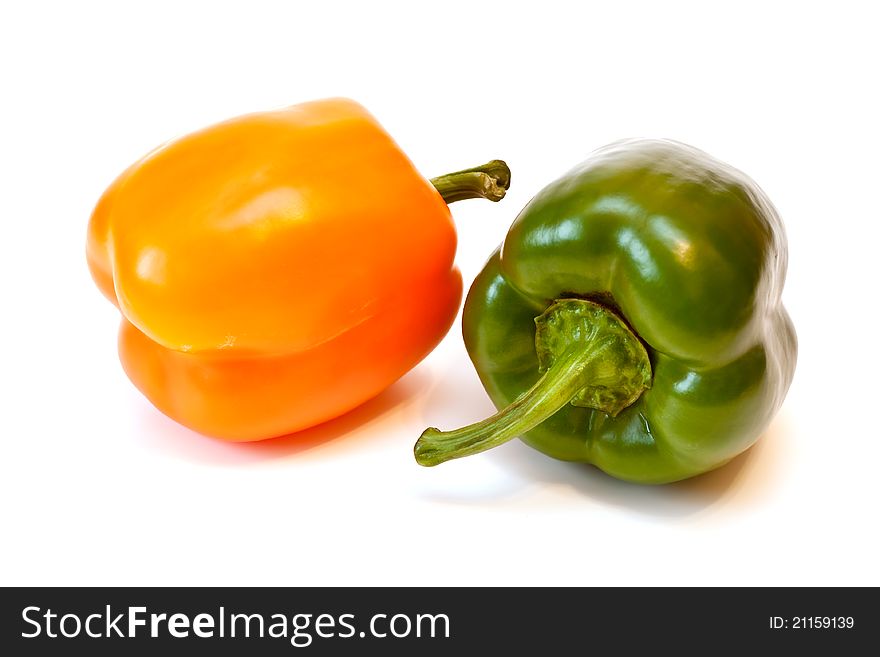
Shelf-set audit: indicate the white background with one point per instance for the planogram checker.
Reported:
(99, 488)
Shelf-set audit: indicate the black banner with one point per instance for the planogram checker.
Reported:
(435, 621)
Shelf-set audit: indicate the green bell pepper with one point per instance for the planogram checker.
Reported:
(632, 318)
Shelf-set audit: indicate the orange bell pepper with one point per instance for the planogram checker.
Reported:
(278, 269)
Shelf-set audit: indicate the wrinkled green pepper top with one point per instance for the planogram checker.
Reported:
(686, 256)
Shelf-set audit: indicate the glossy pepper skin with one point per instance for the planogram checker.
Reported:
(691, 255)
(275, 270)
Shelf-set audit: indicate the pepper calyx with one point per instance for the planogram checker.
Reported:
(618, 371)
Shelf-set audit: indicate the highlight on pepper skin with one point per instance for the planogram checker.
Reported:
(268, 270)
(685, 251)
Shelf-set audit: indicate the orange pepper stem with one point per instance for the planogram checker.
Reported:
(489, 181)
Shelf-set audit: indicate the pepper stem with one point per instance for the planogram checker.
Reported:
(551, 392)
(588, 356)
(490, 181)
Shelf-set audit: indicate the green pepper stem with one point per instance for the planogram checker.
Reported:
(489, 181)
(589, 358)
(552, 391)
